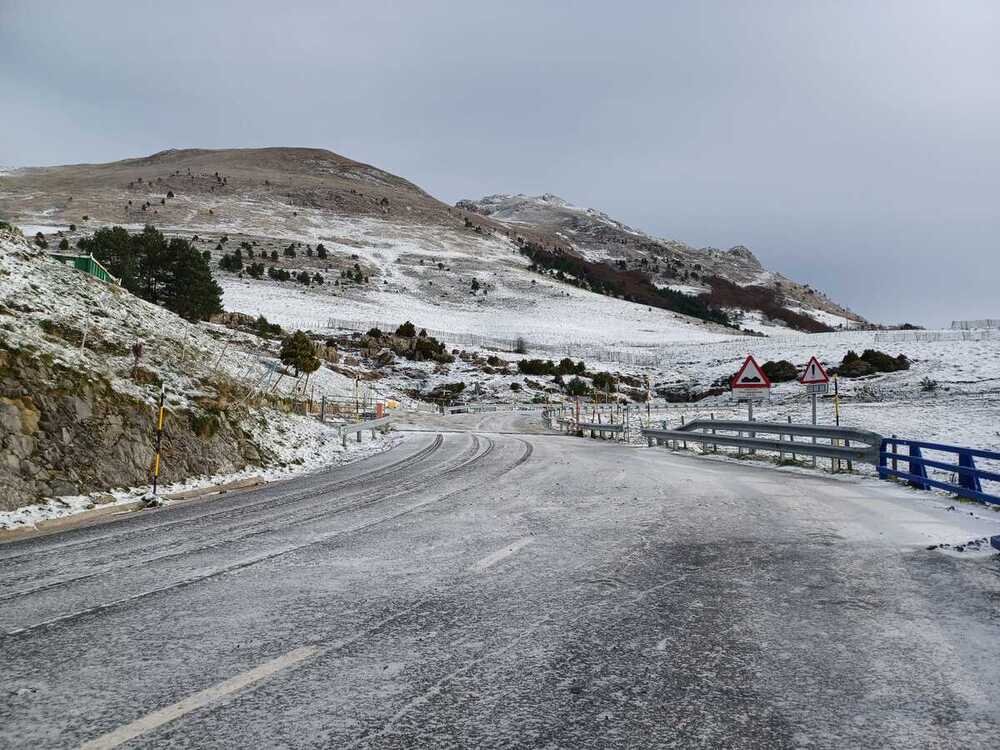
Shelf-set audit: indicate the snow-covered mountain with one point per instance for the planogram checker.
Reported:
(393, 252)
(595, 236)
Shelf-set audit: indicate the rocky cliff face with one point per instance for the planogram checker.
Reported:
(77, 411)
(66, 433)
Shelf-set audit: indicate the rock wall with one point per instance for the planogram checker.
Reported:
(65, 433)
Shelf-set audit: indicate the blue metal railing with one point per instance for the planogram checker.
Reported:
(968, 478)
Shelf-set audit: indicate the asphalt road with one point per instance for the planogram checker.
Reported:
(484, 584)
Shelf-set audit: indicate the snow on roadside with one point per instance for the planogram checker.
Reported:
(300, 445)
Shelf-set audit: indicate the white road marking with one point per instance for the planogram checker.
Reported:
(199, 700)
(241, 681)
(501, 554)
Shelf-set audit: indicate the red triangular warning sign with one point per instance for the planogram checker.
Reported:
(750, 376)
(814, 373)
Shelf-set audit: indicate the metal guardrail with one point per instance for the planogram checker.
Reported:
(359, 427)
(865, 447)
(596, 429)
(847, 444)
(968, 478)
(486, 408)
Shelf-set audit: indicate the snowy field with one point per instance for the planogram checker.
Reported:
(963, 409)
(552, 320)
(410, 286)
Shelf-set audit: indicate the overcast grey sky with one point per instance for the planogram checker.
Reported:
(853, 145)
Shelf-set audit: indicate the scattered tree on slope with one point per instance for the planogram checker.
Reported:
(298, 352)
(761, 298)
(633, 285)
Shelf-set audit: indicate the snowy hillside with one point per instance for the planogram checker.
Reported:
(416, 257)
(425, 274)
(595, 236)
(77, 407)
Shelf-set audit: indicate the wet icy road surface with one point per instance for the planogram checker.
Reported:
(487, 584)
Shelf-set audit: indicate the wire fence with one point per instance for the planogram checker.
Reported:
(966, 325)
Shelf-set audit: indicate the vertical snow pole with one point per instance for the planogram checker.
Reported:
(159, 437)
(836, 400)
(814, 422)
(836, 416)
(649, 397)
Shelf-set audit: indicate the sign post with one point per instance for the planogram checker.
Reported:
(817, 382)
(750, 384)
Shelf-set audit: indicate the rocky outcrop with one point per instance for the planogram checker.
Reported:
(65, 433)
(743, 253)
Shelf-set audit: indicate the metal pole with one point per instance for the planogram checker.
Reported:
(835, 462)
(814, 422)
(159, 438)
(836, 401)
(739, 449)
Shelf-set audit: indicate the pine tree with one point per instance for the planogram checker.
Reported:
(298, 352)
(188, 287)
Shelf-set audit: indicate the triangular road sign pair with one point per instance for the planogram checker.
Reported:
(750, 376)
(814, 373)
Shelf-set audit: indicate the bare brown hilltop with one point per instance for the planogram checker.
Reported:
(295, 176)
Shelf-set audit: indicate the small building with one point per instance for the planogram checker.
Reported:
(87, 264)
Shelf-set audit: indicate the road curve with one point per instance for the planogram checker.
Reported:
(488, 583)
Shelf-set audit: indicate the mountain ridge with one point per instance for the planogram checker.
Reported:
(272, 195)
(595, 236)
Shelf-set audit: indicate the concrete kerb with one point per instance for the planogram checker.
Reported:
(63, 523)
